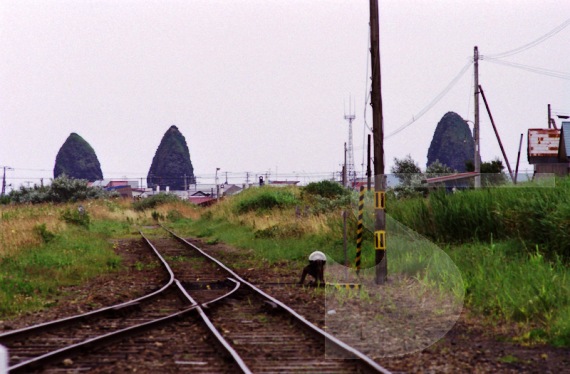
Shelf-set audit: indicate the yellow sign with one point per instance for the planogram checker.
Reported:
(380, 200)
(380, 240)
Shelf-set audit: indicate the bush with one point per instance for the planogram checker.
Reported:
(46, 235)
(266, 199)
(154, 201)
(327, 189)
(61, 190)
(76, 216)
(174, 215)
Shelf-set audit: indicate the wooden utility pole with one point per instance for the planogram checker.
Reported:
(368, 169)
(378, 132)
(477, 161)
(4, 180)
(497, 133)
(549, 117)
(518, 159)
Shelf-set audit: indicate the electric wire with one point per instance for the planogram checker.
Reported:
(527, 46)
(532, 69)
(433, 102)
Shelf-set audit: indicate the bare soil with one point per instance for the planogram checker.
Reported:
(473, 345)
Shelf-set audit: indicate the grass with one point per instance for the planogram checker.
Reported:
(30, 279)
(44, 247)
(505, 283)
(534, 214)
(512, 248)
(498, 253)
(503, 280)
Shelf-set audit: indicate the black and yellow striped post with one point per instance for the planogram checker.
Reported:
(359, 229)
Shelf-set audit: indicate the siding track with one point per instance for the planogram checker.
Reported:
(205, 319)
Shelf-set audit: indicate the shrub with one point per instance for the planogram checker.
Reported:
(154, 201)
(266, 199)
(174, 215)
(156, 216)
(76, 216)
(61, 190)
(46, 235)
(325, 188)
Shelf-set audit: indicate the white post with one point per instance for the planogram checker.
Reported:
(157, 189)
(3, 360)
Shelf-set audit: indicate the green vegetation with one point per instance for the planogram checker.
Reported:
(532, 215)
(326, 189)
(31, 278)
(77, 159)
(512, 247)
(452, 143)
(62, 189)
(264, 199)
(492, 237)
(509, 244)
(154, 201)
(44, 247)
(171, 165)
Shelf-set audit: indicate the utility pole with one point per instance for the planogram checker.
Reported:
(477, 161)
(381, 259)
(551, 121)
(368, 170)
(497, 134)
(4, 180)
(549, 117)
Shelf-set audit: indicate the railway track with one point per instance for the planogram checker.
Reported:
(205, 318)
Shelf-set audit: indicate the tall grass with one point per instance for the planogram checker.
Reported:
(504, 283)
(534, 215)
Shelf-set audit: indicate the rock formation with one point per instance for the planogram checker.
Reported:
(452, 143)
(171, 166)
(77, 159)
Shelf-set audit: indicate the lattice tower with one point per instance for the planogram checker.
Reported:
(350, 171)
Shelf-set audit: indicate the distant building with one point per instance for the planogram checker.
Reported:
(547, 151)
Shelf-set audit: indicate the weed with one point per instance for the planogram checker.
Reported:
(509, 359)
(46, 235)
(77, 216)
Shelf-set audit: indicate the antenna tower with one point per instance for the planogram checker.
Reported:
(350, 172)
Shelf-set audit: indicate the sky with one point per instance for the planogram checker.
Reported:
(263, 86)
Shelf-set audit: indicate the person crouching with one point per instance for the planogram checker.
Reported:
(316, 269)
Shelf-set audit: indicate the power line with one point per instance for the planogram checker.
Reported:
(531, 44)
(532, 69)
(433, 102)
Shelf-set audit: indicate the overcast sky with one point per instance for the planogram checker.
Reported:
(262, 86)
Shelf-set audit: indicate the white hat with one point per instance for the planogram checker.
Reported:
(317, 255)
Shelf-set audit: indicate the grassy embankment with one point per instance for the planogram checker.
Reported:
(46, 246)
(512, 245)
